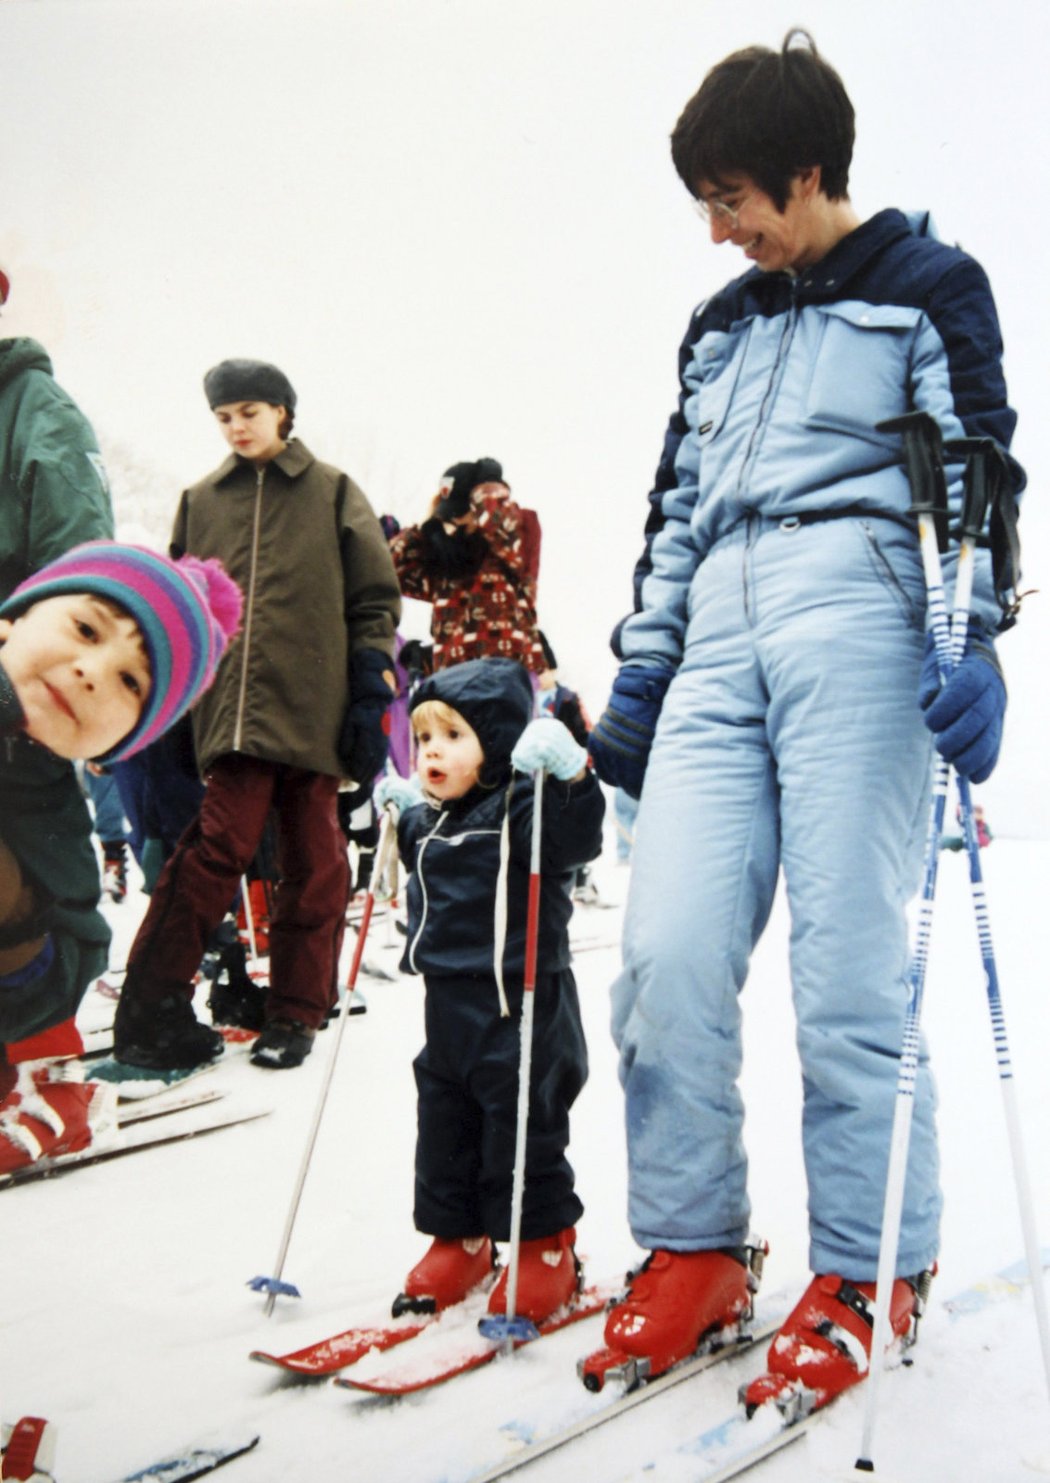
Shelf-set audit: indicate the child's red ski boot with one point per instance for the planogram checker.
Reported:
(548, 1277)
(678, 1303)
(28, 1451)
(824, 1344)
(53, 1111)
(446, 1274)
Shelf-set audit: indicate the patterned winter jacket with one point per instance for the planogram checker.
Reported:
(783, 379)
(483, 596)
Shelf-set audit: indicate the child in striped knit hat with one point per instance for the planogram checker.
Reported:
(106, 647)
(101, 651)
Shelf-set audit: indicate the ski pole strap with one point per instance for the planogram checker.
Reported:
(924, 461)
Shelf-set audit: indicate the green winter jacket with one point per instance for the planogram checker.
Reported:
(53, 489)
(319, 586)
(53, 495)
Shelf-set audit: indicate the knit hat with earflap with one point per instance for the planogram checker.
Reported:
(187, 612)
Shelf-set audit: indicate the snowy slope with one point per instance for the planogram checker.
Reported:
(126, 1318)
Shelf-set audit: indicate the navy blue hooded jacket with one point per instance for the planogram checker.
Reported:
(452, 852)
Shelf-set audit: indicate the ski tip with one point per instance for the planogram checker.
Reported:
(275, 1286)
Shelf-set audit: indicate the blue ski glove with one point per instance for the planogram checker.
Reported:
(966, 715)
(547, 745)
(401, 792)
(619, 744)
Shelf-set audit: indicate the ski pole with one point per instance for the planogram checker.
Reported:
(249, 918)
(984, 483)
(274, 1285)
(922, 456)
(508, 1327)
(986, 486)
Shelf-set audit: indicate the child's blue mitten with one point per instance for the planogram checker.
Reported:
(401, 792)
(547, 745)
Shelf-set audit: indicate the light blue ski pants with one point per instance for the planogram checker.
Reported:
(790, 738)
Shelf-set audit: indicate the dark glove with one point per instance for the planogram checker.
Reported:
(620, 742)
(364, 738)
(966, 715)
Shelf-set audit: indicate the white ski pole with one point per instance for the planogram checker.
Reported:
(509, 1327)
(274, 1285)
(249, 918)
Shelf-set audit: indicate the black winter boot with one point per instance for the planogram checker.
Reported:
(283, 1044)
(235, 999)
(163, 1036)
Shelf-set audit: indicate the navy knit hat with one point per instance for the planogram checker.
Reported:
(248, 381)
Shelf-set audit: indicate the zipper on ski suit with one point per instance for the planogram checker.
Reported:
(776, 375)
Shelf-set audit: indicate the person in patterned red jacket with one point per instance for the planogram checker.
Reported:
(475, 559)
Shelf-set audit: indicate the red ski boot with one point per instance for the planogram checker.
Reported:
(679, 1302)
(53, 1111)
(548, 1277)
(824, 1344)
(447, 1273)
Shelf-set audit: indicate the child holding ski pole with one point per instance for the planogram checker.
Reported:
(466, 845)
(100, 651)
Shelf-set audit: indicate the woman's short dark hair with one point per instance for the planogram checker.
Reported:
(768, 115)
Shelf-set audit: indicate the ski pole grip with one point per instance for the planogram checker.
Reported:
(983, 480)
(924, 461)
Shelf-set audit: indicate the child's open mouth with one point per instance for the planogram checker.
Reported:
(435, 776)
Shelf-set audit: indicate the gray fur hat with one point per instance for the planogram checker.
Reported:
(248, 381)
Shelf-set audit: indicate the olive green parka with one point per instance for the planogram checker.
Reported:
(319, 586)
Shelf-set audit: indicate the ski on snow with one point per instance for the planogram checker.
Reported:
(456, 1348)
(327, 1356)
(195, 1462)
(616, 1402)
(29, 1450)
(133, 1139)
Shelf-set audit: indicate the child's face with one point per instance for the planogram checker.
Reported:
(449, 757)
(252, 429)
(80, 671)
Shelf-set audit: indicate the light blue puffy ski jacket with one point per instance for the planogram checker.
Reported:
(783, 379)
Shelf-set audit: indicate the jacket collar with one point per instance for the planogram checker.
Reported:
(292, 461)
(847, 259)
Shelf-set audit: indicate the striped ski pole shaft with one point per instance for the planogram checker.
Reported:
(923, 460)
(985, 484)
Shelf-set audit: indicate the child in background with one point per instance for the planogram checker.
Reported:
(472, 728)
(100, 651)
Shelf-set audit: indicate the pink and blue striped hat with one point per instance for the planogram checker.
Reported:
(187, 610)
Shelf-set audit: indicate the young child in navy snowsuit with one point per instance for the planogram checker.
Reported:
(472, 728)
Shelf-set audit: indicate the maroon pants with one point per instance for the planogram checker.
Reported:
(200, 881)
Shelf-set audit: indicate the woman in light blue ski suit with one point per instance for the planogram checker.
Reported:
(779, 617)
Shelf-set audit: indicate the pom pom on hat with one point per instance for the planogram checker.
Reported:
(248, 381)
(187, 612)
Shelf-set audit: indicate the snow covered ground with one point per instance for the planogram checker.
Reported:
(127, 1321)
